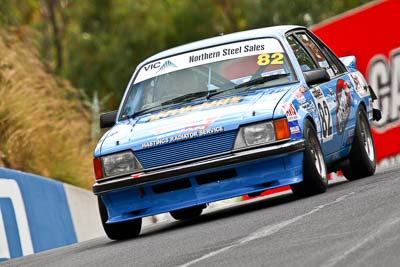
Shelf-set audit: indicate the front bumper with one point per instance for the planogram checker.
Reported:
(199, 165)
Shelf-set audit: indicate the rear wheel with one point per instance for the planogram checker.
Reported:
(187, 213)
(315, 179)
(119, 231)
(362, 161)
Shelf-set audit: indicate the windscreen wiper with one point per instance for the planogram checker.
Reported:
(144, 111)
(261, 80)
(186, 97)
(256, 81)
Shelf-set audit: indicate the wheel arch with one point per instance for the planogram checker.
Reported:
(311, 119)
(362, 105)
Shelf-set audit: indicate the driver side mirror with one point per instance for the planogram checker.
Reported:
(317, 76)
(107, 120)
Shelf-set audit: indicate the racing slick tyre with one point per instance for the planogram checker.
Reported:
(187, 213)
(119, 231)
(361, 160)
(315, 178)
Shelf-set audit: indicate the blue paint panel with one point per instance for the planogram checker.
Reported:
(128, 203)
(47, 210)
(10, 223)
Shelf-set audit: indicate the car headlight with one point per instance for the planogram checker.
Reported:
(262, 133)
(120, 163)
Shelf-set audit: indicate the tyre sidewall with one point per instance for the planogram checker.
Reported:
(363, 119)
(360, 165)
(118, 231)
(313, 182)
(187, 213)
(310, 172)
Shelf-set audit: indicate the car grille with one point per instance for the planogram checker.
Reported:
(186, 150)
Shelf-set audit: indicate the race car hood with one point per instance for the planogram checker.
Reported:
(191, 120)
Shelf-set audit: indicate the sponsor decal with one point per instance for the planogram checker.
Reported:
(331, 91)
(360, 85)
(342, 105)
(317, 93)
(185, 109)
(302, 89)
(230, 51)
(294, 129)
(187, 125)
(269, 50)
(324, 114)
(167, 64)
(182, 137)
(152, 66)
(300, 97)
(290, 111)
(309, 107)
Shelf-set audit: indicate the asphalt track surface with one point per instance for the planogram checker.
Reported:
(352, 224)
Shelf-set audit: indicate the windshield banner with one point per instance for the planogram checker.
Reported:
(209, 55)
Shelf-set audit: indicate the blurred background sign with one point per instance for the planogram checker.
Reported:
(371, 34)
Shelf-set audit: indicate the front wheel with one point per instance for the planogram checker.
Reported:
(187, 213)
(119, 231)
(362, 162)
(315, 178)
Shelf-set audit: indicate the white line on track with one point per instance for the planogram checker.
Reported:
(370, 238)
(264, 232)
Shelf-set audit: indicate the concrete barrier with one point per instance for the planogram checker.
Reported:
(37, 214)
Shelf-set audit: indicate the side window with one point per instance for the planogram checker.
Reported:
(335, 62)
(323, 60)
(305, 61)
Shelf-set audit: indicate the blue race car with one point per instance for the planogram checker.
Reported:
(227, 116)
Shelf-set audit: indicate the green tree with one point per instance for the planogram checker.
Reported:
(97, 44)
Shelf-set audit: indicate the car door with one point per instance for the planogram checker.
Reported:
(331, 98)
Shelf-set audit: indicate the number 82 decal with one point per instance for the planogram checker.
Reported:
(326, 121)
(324, 114)
(266, 59)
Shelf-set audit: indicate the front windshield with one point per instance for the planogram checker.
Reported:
(225, 69)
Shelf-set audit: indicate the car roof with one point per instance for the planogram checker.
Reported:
(275, 31)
